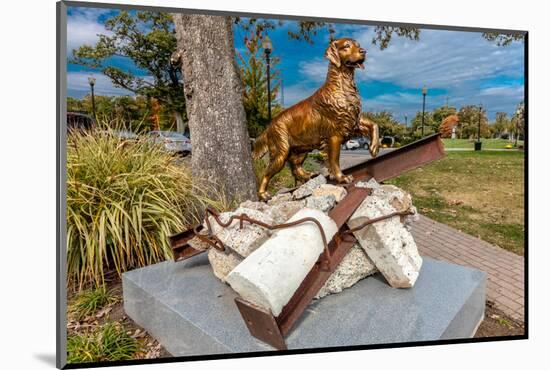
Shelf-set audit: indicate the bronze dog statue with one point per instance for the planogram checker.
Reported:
(323, 121)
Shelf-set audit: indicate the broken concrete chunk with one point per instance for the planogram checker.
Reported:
(323, 203)
(280, 198)
(242, 241)
(307, 189)
(198, 244)
(354, 267)
(388, 243)
(271, 274)
(339, 192)
(372, 183)
(258, 206)
(281, 212)
(222, 263)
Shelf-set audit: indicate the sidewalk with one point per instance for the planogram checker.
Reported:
(505, 270)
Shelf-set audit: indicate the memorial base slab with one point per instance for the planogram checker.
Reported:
(190, 312)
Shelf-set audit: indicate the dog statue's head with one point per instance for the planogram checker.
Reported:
(346, 53)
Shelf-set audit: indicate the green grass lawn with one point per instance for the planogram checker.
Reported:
(480, 193)
(487, 143)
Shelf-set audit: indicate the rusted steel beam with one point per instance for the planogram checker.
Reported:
(345, 208)
(272, 330)
(400, 160)
(180, 244)
(338, 247)
(314, 281)
(261, 324)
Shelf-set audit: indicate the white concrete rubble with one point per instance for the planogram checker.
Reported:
(307, 189)
(339, 192)
(355, 266)
(281, 212)
(388, 243)
(271, 274)
(323, 203)
(242, 241)
(222, 263)
(280, 198)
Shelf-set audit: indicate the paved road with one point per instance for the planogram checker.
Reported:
(349, 158)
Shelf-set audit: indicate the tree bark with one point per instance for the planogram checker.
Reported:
(213, 93)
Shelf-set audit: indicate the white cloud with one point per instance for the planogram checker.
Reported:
(83, 27)
(78, 85)
(314, 70)
(456, 62)
(295, 93)
(441, 59)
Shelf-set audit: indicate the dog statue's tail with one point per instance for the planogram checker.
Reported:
(260, 145)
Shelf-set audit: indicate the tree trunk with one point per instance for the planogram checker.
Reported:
(213, 93)
(180, 123)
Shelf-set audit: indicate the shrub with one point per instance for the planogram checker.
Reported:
(108, 343)
(124, 198)
(89, 301)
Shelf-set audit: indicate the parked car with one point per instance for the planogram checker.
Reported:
(363, 142)
(387, 142)
(172, 141)
(121, 134)
(351, 144)
(79, 121)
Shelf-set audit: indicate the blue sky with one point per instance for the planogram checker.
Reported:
(461, 67)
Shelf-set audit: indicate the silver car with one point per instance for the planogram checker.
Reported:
(172, 141)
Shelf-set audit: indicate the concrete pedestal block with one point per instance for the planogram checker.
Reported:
(192, 313)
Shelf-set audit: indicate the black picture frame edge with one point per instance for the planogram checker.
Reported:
(61, 87)
(61, 188)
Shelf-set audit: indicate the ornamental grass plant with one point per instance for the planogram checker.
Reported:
(124, 198)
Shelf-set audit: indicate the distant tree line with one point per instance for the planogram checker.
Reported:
(465, 123)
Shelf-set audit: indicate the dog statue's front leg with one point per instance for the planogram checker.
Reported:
(334, 145)
(369, 129)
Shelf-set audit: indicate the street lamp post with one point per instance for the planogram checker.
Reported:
(424, 92)
(477, 144)
(266, 44)
(91, 81)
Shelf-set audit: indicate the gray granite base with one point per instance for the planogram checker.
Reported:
(191, 312)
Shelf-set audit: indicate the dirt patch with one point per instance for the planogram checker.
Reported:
(497, 324)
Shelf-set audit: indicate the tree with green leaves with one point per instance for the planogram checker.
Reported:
(468, 118)
(148, 39)
(387, 124)
(429, 125)
(517, 123)
(501, 125)
(307, 30)
(504, 39)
